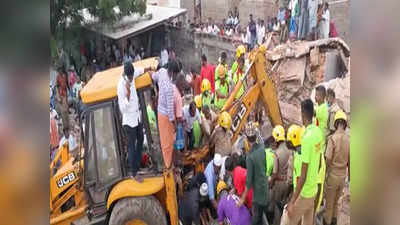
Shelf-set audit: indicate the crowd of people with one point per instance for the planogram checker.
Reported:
(295, 20)
(65, 101)
(305, 20)
(64, 107)
(283, 176)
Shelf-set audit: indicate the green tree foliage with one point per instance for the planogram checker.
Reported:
(68, 12)
(66, 15)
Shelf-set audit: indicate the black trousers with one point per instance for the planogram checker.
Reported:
(135, 146)
(190, 136)
(258, 211)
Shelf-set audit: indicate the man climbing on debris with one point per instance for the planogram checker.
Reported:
(301, 205)
(208, 119)
(338, 166)
(222, 135)
(256, 178)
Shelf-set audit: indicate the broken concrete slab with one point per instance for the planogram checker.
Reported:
(314, 57)
(291, 113)
(299, 66)
(292, 70)
(300, 48)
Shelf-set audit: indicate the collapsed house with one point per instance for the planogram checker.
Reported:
(298, 67)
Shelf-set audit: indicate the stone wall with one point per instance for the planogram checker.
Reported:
(189, 46)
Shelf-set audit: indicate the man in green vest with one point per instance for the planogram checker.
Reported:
(293, 143)
(301, 205)
(222, 62)
(321, 111)
(238, 75)
(240, 51)
(206, 94)
(221, 89)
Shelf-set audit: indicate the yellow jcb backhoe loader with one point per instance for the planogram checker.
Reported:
(262, 90)
(93, 187)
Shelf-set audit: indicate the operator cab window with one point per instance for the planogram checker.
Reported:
(102, 161)
(107, 160)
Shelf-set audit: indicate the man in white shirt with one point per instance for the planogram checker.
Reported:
(75, 93)
(72, 145)
(164, 56)
(128, 102)
(325, 22)
(215, 29)
(190, 115)
(260, 32)
(210, 28)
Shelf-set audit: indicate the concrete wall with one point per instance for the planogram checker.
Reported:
(218, 9)
(189, 47)
(189, 6)
(340, 14)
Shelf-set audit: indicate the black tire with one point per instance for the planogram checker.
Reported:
(148, 209)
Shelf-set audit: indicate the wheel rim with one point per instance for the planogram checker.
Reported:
(135, 222)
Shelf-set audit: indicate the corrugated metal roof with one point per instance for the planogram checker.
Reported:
(134, 24)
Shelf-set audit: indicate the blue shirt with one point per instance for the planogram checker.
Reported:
(211, 179)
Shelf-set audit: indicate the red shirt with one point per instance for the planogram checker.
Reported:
(333, 32)
(196, 84)
(208, 72)
(62, 85)
(72, 79)
(239, 182)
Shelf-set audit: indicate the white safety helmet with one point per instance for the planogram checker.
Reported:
(204, 189)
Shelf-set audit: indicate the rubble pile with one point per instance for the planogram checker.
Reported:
(298, 67)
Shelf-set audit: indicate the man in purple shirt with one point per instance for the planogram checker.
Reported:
(228, 209)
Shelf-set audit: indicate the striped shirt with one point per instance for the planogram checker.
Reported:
(166, 93)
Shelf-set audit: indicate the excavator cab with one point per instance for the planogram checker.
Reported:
(111, 196)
